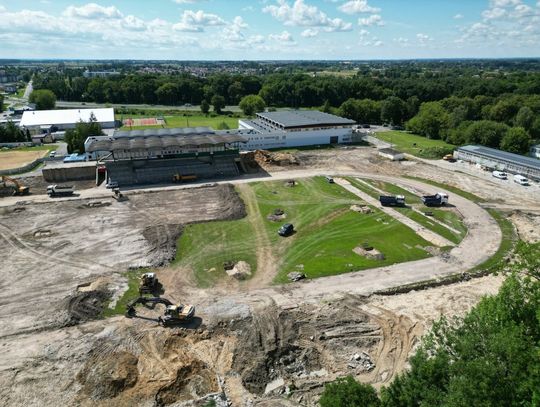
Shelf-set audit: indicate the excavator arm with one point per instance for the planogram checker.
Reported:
(19, 189)
(130, 309)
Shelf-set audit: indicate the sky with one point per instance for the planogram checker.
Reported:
(269, 29)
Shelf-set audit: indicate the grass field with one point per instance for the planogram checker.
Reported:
(416, 145)
(181, 120)
(327, 231)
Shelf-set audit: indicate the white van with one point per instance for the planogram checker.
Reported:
(521, 180)
(500, 174)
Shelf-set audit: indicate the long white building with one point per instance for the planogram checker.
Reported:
(294, 128)
(44, 120)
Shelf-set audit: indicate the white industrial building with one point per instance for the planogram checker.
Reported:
(43, 121)
(294, 128)
(500, 160)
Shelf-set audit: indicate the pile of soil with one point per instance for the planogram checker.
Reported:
(361, 209)
(268, 158)
(373, 254)
(162, 243)
(85, 306)
(240, 271)
(106, 378)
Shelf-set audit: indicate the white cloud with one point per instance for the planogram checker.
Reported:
(233, 32)
(92, 11)
(493, 13)
(401, 40)
(301, 14)
(285, 36)
(357, 7)
(458, 16)
(504, 3)
(309, 32)
(196, 21)
(373, 19)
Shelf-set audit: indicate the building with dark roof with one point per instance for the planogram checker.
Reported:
(293, 128)
(156, 155)
(500, 160)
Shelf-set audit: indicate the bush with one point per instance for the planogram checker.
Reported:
(347, 392)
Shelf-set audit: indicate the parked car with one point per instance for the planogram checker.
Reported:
(500, 174)
(286, 230)
(521, 180)
(111, 185)
(52, 154)
(329, 179)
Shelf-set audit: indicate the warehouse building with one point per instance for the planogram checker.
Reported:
(500, 160)
(157, 155)
(295, 128)
(47, 121)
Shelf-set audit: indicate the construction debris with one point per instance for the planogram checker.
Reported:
(240, 271)
(361, 209)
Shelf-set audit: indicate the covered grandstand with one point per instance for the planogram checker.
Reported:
(155, 156)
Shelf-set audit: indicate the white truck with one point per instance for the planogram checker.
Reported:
(59, 190)
(521, 180)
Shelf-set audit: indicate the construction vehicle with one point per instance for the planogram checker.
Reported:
(148, 283)
(118, 195)
(18, 189)
(59, 190)
(174, 313)
(439, 199)
(450, 158)
(184, 177)
(398, 200)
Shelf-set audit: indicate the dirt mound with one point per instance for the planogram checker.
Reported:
(85, 306)
(233, 206)
(108, 377)
(268, 158)
(162, 242)
(193, 381)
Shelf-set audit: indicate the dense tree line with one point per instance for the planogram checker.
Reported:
(11, 133)
(488, 358)
(459, 103)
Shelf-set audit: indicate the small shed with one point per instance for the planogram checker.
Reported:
(391, 154)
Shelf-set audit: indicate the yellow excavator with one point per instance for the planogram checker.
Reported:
(18, 189)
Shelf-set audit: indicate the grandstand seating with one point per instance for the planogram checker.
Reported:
(128, 172)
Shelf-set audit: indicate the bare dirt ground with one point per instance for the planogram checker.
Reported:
(16, 159)
(249, 345)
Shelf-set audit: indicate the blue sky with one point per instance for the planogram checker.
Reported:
(269, 29)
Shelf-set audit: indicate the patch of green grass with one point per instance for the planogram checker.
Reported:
(46, 147)
(131, 293)
(185, 120)
(416, 145)
(363, 187)
(328, 231)
(467, 195)
(508, 242)
(204, 247)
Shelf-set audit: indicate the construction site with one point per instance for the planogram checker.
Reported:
(114, 300)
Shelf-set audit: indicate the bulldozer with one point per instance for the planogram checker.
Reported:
(148, 283)
(174, 313)
(18, 189)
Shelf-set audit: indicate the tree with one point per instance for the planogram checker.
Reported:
(524, 118)
(361, 111)
(347, 392)
(432, 121)
(218, 102)
(516, 140)
(327, 108)
(252, 104)
(486, 132)
(76, 137)
(393, 110)
(205, 106)
(167, 94)
(43, 98)
(1, 103)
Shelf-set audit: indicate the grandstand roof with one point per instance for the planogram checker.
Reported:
(69, 116)
(304, 118)
(160, 139)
